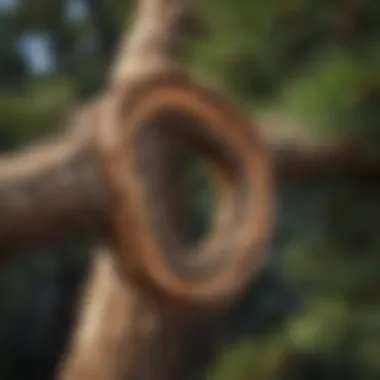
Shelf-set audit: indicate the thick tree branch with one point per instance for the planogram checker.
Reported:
(157, 42)
(50, 192)
(297, 163)
(58, 184)
(299, 156)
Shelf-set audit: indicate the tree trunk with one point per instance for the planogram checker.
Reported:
(123, 334)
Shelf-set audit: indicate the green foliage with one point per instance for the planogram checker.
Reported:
(331, 95)
(32, 112)
(316, 61)
(334, 264)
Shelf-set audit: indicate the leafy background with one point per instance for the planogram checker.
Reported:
(314, 313)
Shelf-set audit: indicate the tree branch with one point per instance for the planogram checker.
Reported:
(50, 192)
(157, 42)
(299, 156)
(296, 163)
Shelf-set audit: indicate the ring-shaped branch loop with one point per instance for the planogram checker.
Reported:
(235, 248)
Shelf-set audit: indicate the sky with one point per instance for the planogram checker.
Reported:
(36, 47)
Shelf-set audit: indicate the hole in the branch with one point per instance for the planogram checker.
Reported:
(199, 197)
(177, 180)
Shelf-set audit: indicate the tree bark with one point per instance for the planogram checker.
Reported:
(51, 191)
(298, 164)
(59, 184)
(123, 334)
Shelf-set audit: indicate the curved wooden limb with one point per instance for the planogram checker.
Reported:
(216, 271)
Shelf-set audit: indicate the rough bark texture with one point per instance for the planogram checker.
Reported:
(51, 191)
(299, 156)
(58, 184)
(125, 335)
(295, 163)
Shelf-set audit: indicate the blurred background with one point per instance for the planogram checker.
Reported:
(311, 65)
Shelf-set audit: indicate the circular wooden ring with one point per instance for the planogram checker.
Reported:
(245, 217)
